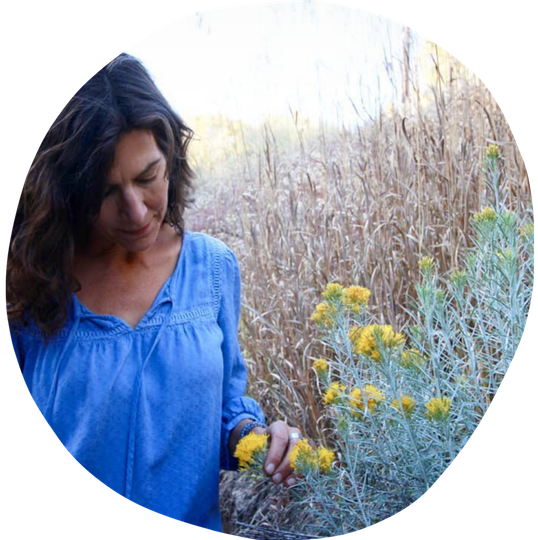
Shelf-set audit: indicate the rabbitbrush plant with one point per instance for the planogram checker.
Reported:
(403, 403)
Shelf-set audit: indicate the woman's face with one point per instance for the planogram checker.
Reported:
(136, 195)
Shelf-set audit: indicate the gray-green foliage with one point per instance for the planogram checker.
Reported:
(392, 441)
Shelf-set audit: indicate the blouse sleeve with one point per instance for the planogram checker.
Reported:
(236, 406)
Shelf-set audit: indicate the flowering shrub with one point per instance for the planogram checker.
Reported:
(403, 403)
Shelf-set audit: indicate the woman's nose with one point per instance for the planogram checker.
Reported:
(134, 207)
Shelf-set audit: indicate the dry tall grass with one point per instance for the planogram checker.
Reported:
(357, 207)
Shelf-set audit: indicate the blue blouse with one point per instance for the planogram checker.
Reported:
(149, 410)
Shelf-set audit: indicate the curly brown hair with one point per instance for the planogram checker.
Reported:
(64, 188)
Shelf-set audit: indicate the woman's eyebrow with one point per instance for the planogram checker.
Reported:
(148, 168)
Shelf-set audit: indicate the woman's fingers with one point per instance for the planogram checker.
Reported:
(277, 464)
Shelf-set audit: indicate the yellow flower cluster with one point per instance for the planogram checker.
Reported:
(369, 394)
(368, 340)
(333, 393)
(425, 264)
(406, 404)
(438, 408)
(492, 151)
(324, 314)
(321, 366)
(351, 298)
(304, 458)
(333, 291)
(355, 297)
(488, 215)
(325, 459)
(249, 447)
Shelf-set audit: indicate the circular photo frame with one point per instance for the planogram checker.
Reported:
(368, 192)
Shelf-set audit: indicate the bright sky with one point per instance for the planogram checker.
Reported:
(252, 62)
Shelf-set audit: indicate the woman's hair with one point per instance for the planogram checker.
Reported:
(64, 188)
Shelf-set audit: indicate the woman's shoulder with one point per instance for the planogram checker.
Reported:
(209, 254)
(202, 241)
(195, 250)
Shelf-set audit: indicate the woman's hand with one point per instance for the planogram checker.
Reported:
(282, 438)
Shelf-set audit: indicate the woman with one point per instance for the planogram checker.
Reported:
(124, 324)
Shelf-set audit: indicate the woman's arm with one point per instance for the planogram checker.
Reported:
(238, 409)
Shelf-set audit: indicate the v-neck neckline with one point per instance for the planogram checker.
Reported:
(167, 286)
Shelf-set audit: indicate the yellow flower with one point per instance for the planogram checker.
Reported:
(354, 297)
(425, 264)
(370, 393)
(321, 366)
(438, 408)
(247, 448)
(492, 151)
(357, 295)
(303, 456)
(333, 291)
(325, 459)
(367, 340)
(324, 314)
(488, 215)
(333, 393)
(408, 404)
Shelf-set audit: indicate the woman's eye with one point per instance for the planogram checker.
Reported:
(147, 180)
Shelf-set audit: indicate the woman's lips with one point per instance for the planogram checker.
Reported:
(138, 232)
